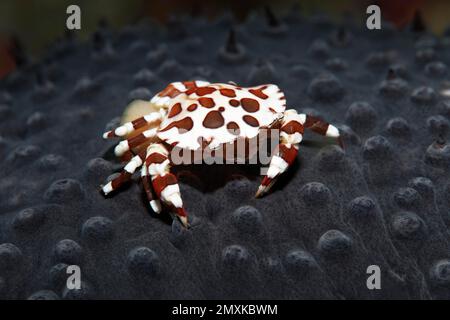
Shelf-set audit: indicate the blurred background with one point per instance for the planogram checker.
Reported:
(31, 25)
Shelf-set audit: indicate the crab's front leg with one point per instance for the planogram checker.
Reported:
(291, 134)
(130, 127)
(165, 184)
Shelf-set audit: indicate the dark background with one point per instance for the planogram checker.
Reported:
(33, 25)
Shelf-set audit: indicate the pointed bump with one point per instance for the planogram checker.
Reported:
(231, 45)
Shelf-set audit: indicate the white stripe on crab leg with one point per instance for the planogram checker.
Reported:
(332, 131)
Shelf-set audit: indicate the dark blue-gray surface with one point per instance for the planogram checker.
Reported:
(384, 201)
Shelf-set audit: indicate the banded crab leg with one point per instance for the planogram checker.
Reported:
(126, 174)
(128, 144)
(165, 184)
(134, 125)
(124, 147)
(321, 127)
(291, 134)
(154, 202)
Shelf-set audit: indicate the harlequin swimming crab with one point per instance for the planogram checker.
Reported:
(194, 114)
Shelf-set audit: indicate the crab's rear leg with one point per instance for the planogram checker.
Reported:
(321, 127)
(291, 134)
(164, 182)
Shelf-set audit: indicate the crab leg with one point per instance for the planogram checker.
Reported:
(135, 141)
(291, 134)
(134, 125)
(321, 127)
(126, 174)
(155, 204)
(165, 183)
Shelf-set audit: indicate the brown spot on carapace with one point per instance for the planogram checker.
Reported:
(221, 109)
(292, 127)
(249, 104)
(201, 91)
(176, 109)
(251, 121)
(233, 102)
(192, 107)
(189, 84)
(170, 91)
(233, 128)
(206, 102)
(183, 124)
(213, 120)
(228, 93)
(259, 92)
(190, 91)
